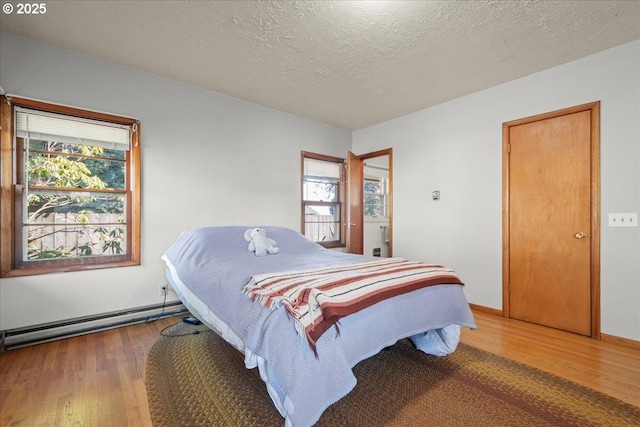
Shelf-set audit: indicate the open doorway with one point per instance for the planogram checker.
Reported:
(375, 233)
(370, 196)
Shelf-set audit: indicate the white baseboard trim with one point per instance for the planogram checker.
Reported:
(45, 332)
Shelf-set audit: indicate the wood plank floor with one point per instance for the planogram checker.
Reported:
(90, 380)
(98, 379)
(609, 368)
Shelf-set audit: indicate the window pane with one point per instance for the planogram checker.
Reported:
(372, 186)
(374, 205)
(78, 207)
(74, 224)
(61, 168)
(46, 242)
(320, 191)
(322, 223)
(60, 147)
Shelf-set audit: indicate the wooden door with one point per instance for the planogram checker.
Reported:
(552, 220)
(355, 211)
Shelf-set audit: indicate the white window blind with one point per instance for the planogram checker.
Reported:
(322, 169)
(45, 126)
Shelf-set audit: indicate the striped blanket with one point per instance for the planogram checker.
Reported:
(318, 298)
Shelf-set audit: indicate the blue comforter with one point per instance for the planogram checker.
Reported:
(209, 267)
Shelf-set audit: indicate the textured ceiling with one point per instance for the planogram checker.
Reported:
(346, 63)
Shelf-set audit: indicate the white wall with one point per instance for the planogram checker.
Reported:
(456, 148)
(203, 156)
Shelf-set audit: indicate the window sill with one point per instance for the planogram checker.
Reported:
(332, 245)
(34, 271)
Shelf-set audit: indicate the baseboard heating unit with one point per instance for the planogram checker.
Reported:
(45, 332)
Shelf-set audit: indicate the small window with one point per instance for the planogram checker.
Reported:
(376, 197)
(74, 185)
(323, 199)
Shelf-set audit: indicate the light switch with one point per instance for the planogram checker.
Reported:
(623, 219)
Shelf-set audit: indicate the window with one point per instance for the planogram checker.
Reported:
(323, 209)
(376, 196)
(70, 189)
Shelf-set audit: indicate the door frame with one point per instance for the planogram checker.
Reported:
(594, 109)
(358, 181)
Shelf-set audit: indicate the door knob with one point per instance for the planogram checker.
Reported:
(351, 224)
(580, 235)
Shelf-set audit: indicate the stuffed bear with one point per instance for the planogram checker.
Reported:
(259, 242)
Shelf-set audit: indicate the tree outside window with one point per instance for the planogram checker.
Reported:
(64, 224)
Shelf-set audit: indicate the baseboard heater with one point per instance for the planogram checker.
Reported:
(45, 332)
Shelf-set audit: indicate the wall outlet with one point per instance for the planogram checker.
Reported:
(164, 290)
(623, 219)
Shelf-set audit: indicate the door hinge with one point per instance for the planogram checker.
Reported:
(508, 148)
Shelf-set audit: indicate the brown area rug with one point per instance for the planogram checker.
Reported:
(199, 380)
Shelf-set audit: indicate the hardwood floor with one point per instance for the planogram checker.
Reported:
(90, 380)
(609, 368)
(98, 379)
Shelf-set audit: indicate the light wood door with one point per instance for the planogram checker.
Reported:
(550, 221)
(355, 210)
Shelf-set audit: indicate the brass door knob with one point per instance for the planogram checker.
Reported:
(580, 235)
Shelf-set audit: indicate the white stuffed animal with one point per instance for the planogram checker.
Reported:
(259, 242)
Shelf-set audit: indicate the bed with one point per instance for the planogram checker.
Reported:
(209, 269)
